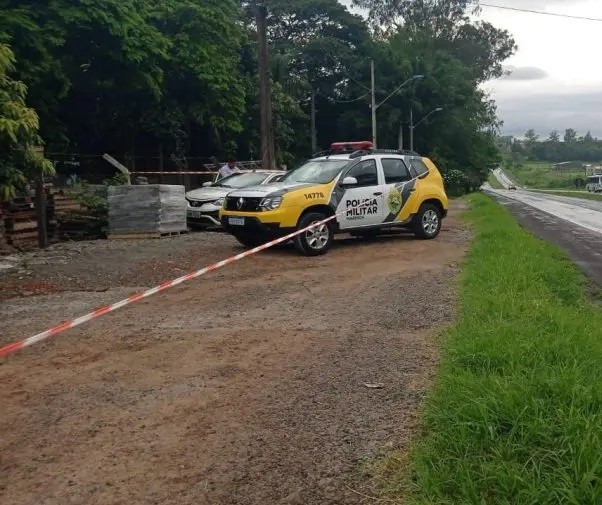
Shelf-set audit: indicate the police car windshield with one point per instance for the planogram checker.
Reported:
(241, 180)
(316, 171)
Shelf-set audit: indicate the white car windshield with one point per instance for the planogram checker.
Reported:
(316, 171)
(241, 180)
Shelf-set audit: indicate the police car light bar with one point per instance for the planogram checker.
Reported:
(351, 146)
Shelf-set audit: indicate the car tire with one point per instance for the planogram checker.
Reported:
(426, 224)
(317, 241)
(248, 240)
(197, 227)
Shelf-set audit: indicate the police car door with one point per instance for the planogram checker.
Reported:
(364, 200)
(398, 190)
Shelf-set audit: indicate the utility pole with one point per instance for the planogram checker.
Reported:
(413, 126)
(40, 206)
(314, 140)
(41, 212)
(400, 137)
(268, 157)
(373, 104)
(411, 129)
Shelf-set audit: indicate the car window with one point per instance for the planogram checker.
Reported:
(365, 172)
(419, 166)
(241, 180)
(395, 170)
(277, 178)
(316, 171)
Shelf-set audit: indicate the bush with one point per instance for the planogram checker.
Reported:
(456, 182)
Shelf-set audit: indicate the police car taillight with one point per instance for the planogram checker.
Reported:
(351, 146)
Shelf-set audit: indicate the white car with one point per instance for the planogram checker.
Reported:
(205, 203)
(594, 183)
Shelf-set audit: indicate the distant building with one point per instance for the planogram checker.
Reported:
(593, 170)
(568, 166)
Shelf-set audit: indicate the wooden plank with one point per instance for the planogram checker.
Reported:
(66, 208)
(22, 215)
(22, 235)
(145, 235)
(25, 226)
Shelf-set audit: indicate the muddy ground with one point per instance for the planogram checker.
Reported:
(244, 387)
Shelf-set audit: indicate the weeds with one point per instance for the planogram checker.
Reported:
(516, 413)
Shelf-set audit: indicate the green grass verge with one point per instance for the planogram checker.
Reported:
(493, 182)
(516, 413)
(539, 175)
(583, 195)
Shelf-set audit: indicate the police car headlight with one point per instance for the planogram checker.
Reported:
(219, 203)
(271, 203)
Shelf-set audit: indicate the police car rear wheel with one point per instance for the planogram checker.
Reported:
(316, 241)
(427, 223)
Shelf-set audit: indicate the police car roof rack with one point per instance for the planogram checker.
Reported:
(331, 152)
(359, 153)
(365, 152)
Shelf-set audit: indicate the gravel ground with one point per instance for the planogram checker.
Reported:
(244, 387)
(103, 264)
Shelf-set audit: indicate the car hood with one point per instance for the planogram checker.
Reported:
(210, 193)
(276, 188)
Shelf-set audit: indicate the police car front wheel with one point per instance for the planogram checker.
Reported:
(317, 240)
(427, 222)
(248, 240)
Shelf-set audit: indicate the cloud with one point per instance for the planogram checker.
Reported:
(551, 111)
(524, 73)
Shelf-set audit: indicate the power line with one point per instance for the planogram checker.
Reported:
(544, 13)
(349, 101)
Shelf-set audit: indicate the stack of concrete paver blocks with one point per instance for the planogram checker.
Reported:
(146, 209)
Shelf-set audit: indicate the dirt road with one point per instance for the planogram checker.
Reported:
(246, 387)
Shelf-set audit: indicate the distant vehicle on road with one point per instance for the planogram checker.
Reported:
(204, 203)
(594, 184)
(512, 186)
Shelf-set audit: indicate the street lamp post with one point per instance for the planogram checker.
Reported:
(412, 125)
(376, 106)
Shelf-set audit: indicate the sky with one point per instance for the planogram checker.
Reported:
(556, 79)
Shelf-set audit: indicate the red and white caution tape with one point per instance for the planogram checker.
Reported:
(16, 346)
(204, 172)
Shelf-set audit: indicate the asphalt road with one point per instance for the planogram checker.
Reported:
(573, 224)
(577, 211)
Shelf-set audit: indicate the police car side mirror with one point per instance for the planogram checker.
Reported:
(207, 184)
(349, 181)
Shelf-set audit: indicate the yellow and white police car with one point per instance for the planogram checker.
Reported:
(369, 190)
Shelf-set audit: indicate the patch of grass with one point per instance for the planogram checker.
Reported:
(539, 175)
(493, 182)
(584, 195)
(516, 413)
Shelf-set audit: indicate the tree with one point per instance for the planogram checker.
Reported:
(108, 59)
(479, 45)
(570, 136)
(531, 137)
(203, 91)
(554, 137)
(180, 76)
(19, 158)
